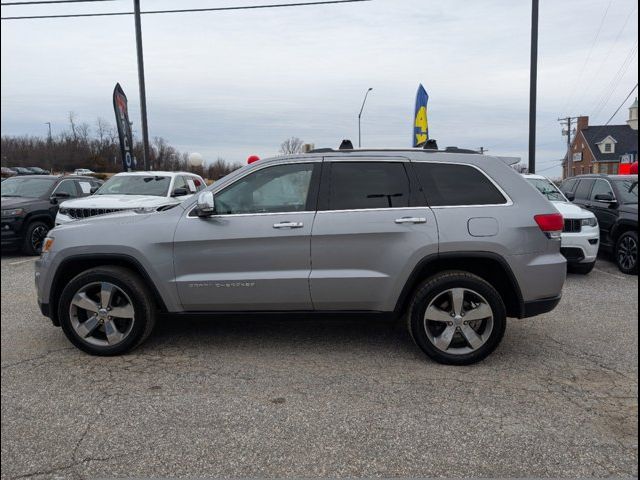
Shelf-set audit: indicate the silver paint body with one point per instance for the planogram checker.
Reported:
(332, 260)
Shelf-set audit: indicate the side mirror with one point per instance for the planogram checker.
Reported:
(56, 197)
(570, 196)
(206, 206)
(605, 198)
(180, 192)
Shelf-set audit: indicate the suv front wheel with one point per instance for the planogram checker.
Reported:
(106, 311)
(457, 318)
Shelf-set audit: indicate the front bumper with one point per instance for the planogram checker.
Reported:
(581, 247)
(11, 231)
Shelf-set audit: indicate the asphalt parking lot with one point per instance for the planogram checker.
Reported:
(330, 398)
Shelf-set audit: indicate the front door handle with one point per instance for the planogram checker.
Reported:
(288, 225)
(411, 220)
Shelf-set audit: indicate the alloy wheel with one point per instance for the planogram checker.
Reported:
(102, 314)
(628, 253)
(458, 321)
(37, 237)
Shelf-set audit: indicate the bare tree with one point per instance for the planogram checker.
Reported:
(291, 145)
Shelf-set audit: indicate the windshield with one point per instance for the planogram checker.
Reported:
(548, 189)
(136, 185)
(26, 187)
(628, 190)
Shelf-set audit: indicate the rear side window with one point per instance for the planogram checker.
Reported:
(455, 185)
(364, 185)
(584, 189)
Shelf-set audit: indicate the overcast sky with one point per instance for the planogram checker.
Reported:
(238, 83)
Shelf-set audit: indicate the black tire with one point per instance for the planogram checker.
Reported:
(436, 286)
(581, 268)
(626, 253)
(34, 236)
(129, 283)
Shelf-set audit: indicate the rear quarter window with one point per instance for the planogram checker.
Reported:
(456, 185)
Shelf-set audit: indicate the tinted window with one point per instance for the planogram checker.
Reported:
(569, 186)
(447, 184)
(627, 190)
(584, 189)
(358, 185)
(283, 188)
(68, 187)
(601, 187)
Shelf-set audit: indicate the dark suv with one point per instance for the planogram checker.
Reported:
(614, 201)
(30, 204)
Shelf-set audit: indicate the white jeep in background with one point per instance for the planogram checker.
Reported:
(150, 191)
(581, 233)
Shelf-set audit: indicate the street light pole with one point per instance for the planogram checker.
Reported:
(360, 116)
(533, 85)
(143, 94)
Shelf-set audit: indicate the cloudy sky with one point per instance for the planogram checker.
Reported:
(231, 84)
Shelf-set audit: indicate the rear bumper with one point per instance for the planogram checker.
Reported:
(538, 307)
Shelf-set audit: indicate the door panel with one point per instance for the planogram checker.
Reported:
(361, 258)
(239, 262)
(255, 253)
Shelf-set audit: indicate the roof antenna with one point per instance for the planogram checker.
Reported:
(346, 145)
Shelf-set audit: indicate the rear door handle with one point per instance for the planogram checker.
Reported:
(411, 220)
(288, 225)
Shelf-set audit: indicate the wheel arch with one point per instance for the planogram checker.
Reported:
(621, 227)
(486, 265)
(74, 265)
(38, 216)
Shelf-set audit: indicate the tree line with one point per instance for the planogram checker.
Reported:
(97, 148)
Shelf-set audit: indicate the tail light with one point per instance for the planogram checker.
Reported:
(551, 224)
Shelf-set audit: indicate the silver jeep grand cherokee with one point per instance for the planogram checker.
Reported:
(454, 242)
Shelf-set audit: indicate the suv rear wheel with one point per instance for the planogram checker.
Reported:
(106, 311)
(457, 318)
(627, 253)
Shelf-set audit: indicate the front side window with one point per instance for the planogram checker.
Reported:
(584, 189)
(365, 185)
(456, 185)
(154, 185)
(66, 187)
(282, 188)
(601, 187)
(569, 185)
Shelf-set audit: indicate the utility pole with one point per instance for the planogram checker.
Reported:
(482, 149)
(360, 116)
(143, 93)
(568, 121)
(49, 145)
(533, 85)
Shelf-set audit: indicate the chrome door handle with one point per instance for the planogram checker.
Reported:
(288, 225)
(411, 220)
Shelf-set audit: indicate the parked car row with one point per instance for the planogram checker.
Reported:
(14, 171)
(600, 211)
(32, 205)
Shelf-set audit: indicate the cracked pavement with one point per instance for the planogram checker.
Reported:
(324, 398)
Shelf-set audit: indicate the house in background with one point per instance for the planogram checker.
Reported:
(602, 148)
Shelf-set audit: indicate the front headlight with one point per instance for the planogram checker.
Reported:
(590, 222)
(13, 212)
(145, 209)
(63, 211)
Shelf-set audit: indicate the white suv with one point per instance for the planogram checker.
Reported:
(148, 191)
(581, 233)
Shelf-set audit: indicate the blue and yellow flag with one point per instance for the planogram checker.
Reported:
(420, 122)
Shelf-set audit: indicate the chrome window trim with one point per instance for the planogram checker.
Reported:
(262, 214)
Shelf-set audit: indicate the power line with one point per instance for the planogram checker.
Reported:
(618, 109)
(586, 60)
(617, 78)
(41, 2)
(187, 10)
